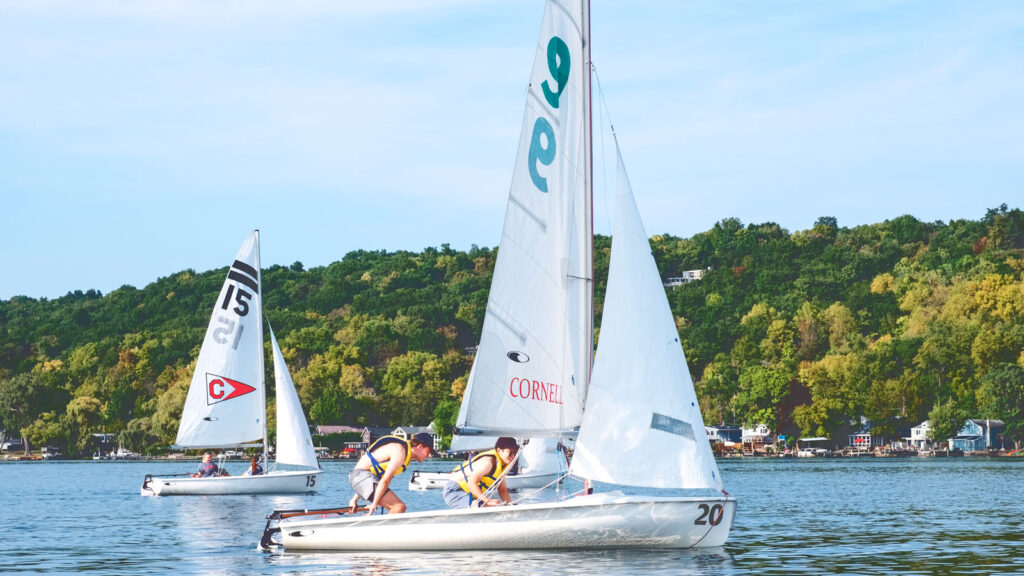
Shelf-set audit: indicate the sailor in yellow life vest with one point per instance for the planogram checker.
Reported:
(386, 458)
(472, 478)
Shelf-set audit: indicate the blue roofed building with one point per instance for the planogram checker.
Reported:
(979, 435)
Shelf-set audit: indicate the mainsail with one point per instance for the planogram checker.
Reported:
(225, 401)
(640, 380)
(533, 361)
(294, 444)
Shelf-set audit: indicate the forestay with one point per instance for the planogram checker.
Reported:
(532, 364)
(294, 444)
(224, 406)
(642, 426)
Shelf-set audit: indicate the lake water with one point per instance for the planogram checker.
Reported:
(809, 516)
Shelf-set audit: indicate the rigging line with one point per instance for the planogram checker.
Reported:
(541, 489)
(493, 487)
(602, 111)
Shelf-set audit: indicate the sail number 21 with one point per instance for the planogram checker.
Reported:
(543, 149)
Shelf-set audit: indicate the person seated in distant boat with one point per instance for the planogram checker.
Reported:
(254, 467)
(206, 467)
(471, 479)
(386, 458)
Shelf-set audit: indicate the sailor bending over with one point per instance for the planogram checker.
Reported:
(386, 458)
(472, 478)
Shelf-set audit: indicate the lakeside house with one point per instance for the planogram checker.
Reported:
(724, 433)
(976, 434)
(919, 438)
(326, 430)
(686, 277)
(756, 440)
(862, 441)
(979, 435)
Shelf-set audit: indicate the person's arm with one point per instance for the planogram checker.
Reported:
(395, 458)
(482, 468)
(503, 492)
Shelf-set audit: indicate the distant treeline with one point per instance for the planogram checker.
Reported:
(814, 332)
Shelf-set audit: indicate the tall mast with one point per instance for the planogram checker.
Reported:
(263, 378)
(588, 183)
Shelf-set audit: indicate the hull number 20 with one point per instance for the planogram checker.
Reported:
(709, 515)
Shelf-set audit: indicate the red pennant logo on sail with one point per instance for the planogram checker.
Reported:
(219, 389)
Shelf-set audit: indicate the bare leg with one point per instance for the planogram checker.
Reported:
(392, 503)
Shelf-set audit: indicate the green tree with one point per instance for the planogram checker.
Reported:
(1001, 397)
(46, 430)
(24, 398)
(445, 416)
(761, 391)
(84, 417)
(945, 421)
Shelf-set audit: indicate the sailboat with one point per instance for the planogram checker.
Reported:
(541, 463)
(634, 415)
(226, 404)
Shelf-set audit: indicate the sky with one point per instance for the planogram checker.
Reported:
(140, 139)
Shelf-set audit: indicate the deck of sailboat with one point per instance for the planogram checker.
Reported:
(436, 480)
(606, 520)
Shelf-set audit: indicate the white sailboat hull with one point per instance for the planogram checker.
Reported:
(278, 482)
(436, 480)
(595, 521)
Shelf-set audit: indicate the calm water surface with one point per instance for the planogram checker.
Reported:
(823, 516)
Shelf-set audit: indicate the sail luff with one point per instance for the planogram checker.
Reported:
(263, 372)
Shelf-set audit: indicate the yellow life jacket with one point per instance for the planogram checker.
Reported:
(379, 468)
(487, 480)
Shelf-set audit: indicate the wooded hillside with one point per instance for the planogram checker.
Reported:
(811, 332)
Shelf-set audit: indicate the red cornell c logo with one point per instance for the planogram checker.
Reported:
(221, 388)
(217, 389)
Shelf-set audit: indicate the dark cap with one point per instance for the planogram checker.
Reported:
(207, 453)
(425, 439)
(506, 442)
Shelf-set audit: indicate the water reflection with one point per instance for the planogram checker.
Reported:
(504, 563)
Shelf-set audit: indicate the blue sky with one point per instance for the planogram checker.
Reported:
(138, 139)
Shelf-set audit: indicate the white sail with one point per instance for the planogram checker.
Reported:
(225, 401)
(294, 444)
(643, 425)
(541, 456)
(533, 361)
